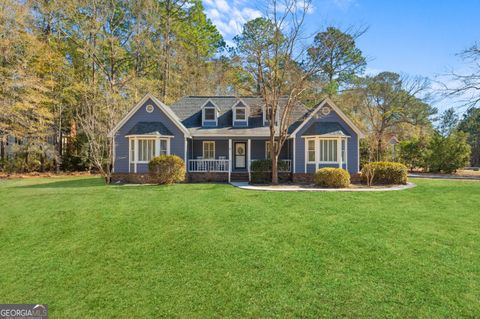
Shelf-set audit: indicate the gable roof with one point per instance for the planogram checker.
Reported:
(168, 112)
(339, 113)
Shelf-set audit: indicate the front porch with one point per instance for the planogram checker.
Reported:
(230, 157)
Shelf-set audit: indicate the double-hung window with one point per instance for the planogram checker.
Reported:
(142, 150)
(325, 151)
(240, 114)
(146, 150)
(208, 150)
(209, 114)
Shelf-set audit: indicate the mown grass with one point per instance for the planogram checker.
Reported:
(211, 250)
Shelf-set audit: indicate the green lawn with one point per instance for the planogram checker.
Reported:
(210, 250)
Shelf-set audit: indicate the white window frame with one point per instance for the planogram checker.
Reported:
(341, 154)
(235, 115)
(133, 149)
(211, 150)
(244, 107)
(267, 153)
(215, 112)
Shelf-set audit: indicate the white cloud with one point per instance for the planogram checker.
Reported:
(343, 4)
(229, 17)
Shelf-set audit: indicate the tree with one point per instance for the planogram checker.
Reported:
(467, 85)
(470, 123)
(413, 153)
(448, 121)
(447, 154)
(257, 37)
(338, 57)
(385, 102)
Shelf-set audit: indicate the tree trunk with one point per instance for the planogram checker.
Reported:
(274, 169)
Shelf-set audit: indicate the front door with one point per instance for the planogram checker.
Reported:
(240, 155)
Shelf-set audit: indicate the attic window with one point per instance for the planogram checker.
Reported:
(209, 114)
(240, 114)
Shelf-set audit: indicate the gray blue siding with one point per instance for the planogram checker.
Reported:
(352, 145)
(177, 143)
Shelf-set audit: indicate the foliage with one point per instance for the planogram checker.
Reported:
(448, 121)
(413, 152)
(338, 57)
(266, 165)
(470, 123)
(332, 178)
(448, 153)
(167, 169)
(385, 173)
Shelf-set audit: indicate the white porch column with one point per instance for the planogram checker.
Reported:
(248, 157)
(135, 156)
(339, 152)
(229, 158)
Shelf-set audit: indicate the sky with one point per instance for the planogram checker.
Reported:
(416, 38)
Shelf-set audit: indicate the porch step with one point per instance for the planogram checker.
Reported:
(239, 177)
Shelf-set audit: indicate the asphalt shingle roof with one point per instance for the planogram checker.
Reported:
(189, 111)
(149, 128)
(326, 128)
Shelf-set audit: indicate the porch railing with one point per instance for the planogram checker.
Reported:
(208, 165)
(287, 162)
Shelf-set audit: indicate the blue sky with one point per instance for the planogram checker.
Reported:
(407, 36)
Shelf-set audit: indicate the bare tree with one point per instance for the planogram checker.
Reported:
(466, 86)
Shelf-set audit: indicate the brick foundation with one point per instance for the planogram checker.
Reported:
(208, 177)
(302, 178)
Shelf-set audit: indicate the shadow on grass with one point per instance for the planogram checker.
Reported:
(69, 183)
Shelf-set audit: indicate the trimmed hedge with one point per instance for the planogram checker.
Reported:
(261, 171)
(167, 169)
(332, 177)
(385, 173)
(266, 165)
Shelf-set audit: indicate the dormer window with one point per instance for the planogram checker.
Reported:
(240, 114)
(209, 114)
(266, 116)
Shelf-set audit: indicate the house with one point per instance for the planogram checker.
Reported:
(220, 136)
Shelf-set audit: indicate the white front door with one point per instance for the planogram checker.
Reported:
(240, 155)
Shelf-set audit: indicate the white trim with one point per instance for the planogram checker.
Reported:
(135, 140)
(185, 153)
(317, 161)
(166, 110)
(229, 159)
(216, 111)
(153, 136)
(113, 154)
(293, 155)
(249, 147)
(234, 111)
(203, 149)
(358, 155)
(264, 115)
(339, 113)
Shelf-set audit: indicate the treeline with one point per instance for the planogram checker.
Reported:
(69, 70)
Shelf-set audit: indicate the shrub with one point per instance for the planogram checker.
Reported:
(332, 178)
(261, 171)
(266, 165)
(447, 154)
(413, 152)
(384, 173)
(167, 169)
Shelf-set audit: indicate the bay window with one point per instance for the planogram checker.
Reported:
(326, 150)
(143, 149)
